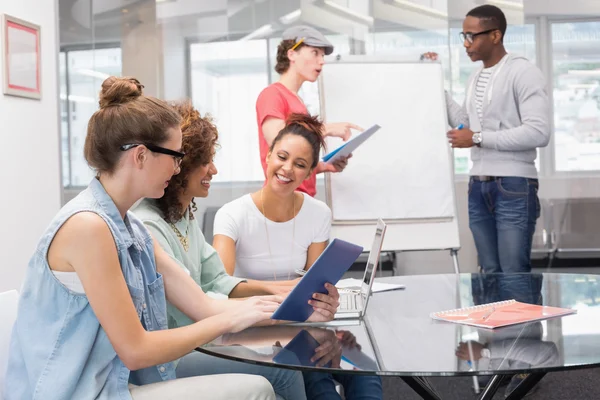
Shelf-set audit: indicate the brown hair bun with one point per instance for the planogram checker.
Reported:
(117, 91)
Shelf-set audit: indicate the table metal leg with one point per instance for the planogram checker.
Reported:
(421, 387)
(525, 386)
(491, 388)
(425, 382)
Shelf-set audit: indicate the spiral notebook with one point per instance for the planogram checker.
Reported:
(499, 314)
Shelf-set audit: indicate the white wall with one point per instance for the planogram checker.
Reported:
(30, 161)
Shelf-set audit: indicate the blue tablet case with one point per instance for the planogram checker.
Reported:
(336, 259)
(299, 351)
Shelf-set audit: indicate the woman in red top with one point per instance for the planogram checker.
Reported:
(300, 58)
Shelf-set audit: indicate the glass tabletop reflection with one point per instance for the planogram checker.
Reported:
(398, 337)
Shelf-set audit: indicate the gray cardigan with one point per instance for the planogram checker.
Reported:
(516, 119)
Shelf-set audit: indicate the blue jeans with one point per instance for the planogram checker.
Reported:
(287, 384)
(502, 215)
(321, 386)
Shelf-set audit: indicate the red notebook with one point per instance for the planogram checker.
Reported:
(502, 313)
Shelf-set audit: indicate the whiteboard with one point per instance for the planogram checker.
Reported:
(404, 172)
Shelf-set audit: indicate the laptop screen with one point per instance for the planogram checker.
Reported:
(373, 259)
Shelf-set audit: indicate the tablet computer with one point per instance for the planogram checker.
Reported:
(347, 148)
(299, 351)
(331, 265)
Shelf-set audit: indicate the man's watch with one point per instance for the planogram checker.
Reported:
(477, 139)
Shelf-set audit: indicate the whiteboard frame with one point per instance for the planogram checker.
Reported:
(354, 230)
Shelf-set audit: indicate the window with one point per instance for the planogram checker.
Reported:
(81, 74)
(576, 70)
(226, 79)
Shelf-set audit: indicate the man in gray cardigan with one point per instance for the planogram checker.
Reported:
(505, 118)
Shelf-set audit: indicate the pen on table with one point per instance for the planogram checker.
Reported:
(489, 313)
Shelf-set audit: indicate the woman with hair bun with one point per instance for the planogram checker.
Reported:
(92, 318)
(269, 234)
(300, 58)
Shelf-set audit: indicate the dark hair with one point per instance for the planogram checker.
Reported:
(283, 62)
(491, 17)
(125, 116)
(198, 143)
(310, 128)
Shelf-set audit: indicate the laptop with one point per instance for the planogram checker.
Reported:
(353, 303)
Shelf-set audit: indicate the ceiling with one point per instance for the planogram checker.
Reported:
(96, 22)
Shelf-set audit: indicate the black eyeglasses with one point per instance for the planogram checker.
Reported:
(470, 37)
(177, 156)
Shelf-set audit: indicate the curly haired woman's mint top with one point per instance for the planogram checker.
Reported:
(200, 260)
(58, 348)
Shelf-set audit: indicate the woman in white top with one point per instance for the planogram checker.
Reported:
(268, 234)
(271, 233)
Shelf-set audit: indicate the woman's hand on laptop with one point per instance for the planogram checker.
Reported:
(324, 305)
(248, 312)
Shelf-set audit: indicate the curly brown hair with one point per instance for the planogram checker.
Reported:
(199, 142)
(283, 62)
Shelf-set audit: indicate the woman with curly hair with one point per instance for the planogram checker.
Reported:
(170, 220)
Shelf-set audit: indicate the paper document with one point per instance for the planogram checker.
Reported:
(347, 148)
(355, 284)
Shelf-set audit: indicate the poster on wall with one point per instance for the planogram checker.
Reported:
(21, 58)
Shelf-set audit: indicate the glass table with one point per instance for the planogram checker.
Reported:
(398, 338)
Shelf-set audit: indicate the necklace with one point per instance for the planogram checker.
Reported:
(262, 204)
(182, 239)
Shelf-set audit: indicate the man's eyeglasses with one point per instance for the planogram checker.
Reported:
(177, 156)
(470, 37)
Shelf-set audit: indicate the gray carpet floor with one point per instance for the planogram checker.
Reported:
(573, 385)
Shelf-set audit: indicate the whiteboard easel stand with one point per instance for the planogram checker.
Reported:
(453, 255)
(355, 230)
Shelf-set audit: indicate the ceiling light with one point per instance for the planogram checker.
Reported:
(291, 17)
(260, 32)
(421, 9)
(515, 5)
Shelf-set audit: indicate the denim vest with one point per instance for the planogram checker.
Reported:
(58, 348)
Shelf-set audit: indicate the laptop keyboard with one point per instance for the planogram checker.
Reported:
(348, 302)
